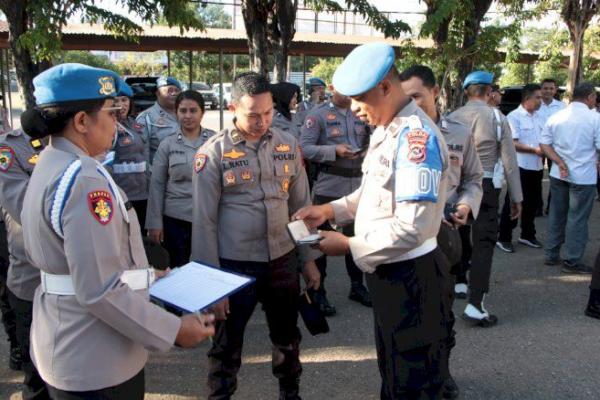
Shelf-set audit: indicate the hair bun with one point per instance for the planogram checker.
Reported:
(34, 124)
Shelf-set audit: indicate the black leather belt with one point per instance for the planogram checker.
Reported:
(339, 171)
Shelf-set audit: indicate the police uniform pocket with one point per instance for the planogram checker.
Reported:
(179, 167)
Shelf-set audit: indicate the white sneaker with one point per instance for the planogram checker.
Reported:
(460, 290)
(473, 312)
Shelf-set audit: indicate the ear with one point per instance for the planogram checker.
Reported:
(80, 122)
(231, 107)
(436, 90)
(386, 87)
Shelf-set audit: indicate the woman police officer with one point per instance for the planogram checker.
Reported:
(92, 321)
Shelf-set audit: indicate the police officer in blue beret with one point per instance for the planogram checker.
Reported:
(160, 120)
(92, 321)
(396, 213)
(493, 140)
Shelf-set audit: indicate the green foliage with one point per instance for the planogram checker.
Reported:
(326, 67)
(84, 57)
(48, 17)
(515, 74)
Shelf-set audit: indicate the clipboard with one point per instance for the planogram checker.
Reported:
(195, 287)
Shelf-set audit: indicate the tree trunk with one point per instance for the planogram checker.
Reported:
(281, 34)
(256, 14)
(575, 60)
(26, 68)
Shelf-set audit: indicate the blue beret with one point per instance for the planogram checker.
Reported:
(363, 68)
(71, 82)
(314, 81)
(478, 78)
(124, 89)
(167, 81)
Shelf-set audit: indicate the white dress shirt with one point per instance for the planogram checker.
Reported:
(546, 111)
(574, 132)
(527, 129)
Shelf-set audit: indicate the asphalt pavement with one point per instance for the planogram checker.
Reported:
(543, 347)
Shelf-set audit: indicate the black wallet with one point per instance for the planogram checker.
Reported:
(312, 316)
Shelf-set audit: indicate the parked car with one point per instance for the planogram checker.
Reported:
(210, 98)
(226, 93)
(144, 91)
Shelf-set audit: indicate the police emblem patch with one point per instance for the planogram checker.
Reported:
(417, 145)
(101, 205)
(310, 122)
(107, 85)
(233, 154)
(335, 132)
(285, 185)
(7, 155)
(282, 148)
(331, 117)
(200, 161)
(229, 178)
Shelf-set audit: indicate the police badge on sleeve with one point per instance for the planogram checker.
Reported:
(7, 155)
(101, 205)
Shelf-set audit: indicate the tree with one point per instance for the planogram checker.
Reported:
(325, 68)
(35, 27)
(84, 57)
(577, 15)
(270, 27)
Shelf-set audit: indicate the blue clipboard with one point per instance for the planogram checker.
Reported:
(196, 286)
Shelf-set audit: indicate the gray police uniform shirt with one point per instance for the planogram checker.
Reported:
(480, 118)
(98, 337)
(398, 207)
(286, 125)
(23, 278)
(464, 168)
(171, 183)
(158, 124)
(325, 127)
(302, 110)
(131, 169)
(244, 195)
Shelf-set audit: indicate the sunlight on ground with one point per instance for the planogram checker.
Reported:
(324, 354)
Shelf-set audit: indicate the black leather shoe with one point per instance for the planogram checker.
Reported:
(14, 361)
(321, 299)
(360, 294)
(289, 390)
(593, 307)
(450, 389)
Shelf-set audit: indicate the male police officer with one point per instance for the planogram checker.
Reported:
(397, 212)
(247, 183)
(316, 93)
(160, 120)
(493, 140)
(335, 141)
(464, 189)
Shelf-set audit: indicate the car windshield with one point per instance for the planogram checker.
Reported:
(200, 86)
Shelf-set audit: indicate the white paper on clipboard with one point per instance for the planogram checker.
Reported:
(194, 286)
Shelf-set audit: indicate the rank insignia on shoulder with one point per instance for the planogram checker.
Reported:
(7, 156)
(246, 175)
(331, 117)
(200, 161)
(101, 205)
(285, 185)
(282, 148)
(36, 144)
(33, 159)
(229, 178)
(417, 145)
(233, 154)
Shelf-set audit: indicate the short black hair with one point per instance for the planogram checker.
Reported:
(549, 80)
(190, 95)
(422, 72)
(248, 83)
(529, 90)
(495, 88)
(583, 90)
